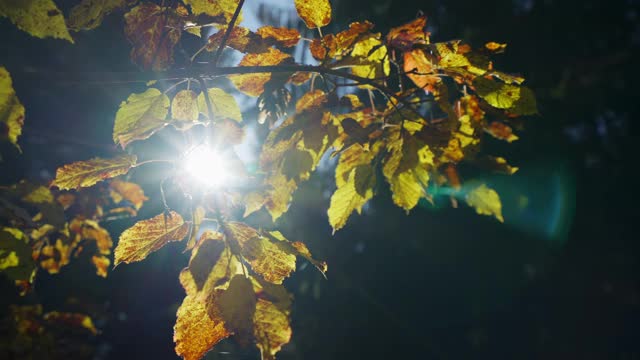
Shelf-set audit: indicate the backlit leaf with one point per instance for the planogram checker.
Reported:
(314, 13)
(184, 106)
(271, 328)
(102, 264)
(373, 61)
(147, 236)
(140, 116)
(87, 173)
(154, 32)
(281, 36)
(88, 14)
(253, 84)
(486, 201)
(224, 105)
(195, 332)
(73, 320)
(216, 9)
(345, 200)
(516, 99)
(40, 18)
(11, 110)
(501, 131)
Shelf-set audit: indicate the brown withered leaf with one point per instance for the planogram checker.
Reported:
(314, 13)
(87, 173)
(406, 36)
(129, 191)
(253, 84)
(271, 328)
(147, 236)
(501, 131)
(279, 36)
(240, 38)
(154, 32)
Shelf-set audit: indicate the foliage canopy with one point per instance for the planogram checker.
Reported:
(395, 108)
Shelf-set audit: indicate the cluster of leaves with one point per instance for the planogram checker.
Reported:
(28, 333)
(415, 111)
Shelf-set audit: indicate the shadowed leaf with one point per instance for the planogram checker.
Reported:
(11, 110)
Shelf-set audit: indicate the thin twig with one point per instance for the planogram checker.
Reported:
(227, 33)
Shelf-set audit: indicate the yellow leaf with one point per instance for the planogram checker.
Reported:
(147, 236)
(140, 116)
(218, 8)
(11, 110)
(495, 47)
(88, 14)
(184, 106)
(40, 18)
(39, 195)
(486, 201)
(296, 248)
(405, 168)
(345, 200)
(224, 105)
(373, 61)
(195, 332)
(87, 173)
(92, 230)
(8, 259)
(271, 328)
(314, 13)
(253, 84)
(132, 192)
(102, 265)
(153, 31)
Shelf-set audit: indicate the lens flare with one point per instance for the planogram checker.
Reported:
(206, 166)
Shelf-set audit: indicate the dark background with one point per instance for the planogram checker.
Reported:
(558, 280)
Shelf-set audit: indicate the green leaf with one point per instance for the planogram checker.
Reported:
(184, 106)
(11, 110)
(516, 99)
(88, 14)
(15, 255)
(40, 18)
(140, 116)
(224, 106)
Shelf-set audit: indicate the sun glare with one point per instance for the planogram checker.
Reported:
(206, 166)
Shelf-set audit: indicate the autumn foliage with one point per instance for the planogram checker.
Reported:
(395, 108)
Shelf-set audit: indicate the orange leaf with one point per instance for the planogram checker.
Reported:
(282, 36)
(132, 192)
(420, 70)
(253, 84)
(501, 131)
(147, 236)
(102, 265)
(314, 13)
(412, 33)
(87, 173)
